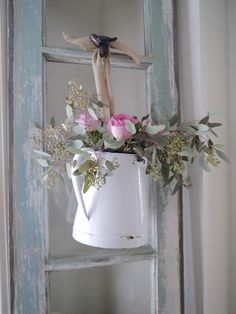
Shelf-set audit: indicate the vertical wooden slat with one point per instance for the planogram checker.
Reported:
(27, 191)
(166, 277)
(28, 197)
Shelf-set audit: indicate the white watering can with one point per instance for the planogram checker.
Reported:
(116, 216)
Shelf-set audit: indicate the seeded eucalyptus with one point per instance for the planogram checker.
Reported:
(168, 146)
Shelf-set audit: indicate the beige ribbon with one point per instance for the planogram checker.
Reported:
(102, 68)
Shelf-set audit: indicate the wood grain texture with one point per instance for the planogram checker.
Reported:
(27, 192)
(165, 217)
(77, 56)
(100, 259)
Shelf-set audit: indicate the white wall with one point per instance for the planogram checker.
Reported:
(203, 33)
(232, 147)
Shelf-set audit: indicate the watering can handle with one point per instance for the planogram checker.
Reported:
(77, 186)
(142, 163)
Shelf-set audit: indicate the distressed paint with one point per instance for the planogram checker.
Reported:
(165, 218)
(28, 279)
(77, 56)
(100, 259)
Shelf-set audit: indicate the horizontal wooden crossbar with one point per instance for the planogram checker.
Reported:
(76, 56)
(103, 258)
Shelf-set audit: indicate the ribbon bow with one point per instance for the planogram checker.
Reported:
(101, 63)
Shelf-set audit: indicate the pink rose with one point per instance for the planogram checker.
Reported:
(86, 121)
(116, 126)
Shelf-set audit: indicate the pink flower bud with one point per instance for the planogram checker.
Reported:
(116, 126)
(86, 121)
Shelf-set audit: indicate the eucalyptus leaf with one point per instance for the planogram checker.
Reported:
(85, 166)
(175, 119)
(145, 117)
(78, 137)
(77, 173)
(169, 180)
(186, 128)
(177, 187)
(214, 124)
(43, 162)
(130, 127)
(95, 106)
(101, 104)
(154, 113)
(69, 112)
(113, 144)
(77, 144)
(189, 149)
(206, 149)
(52, 122)
(87, 183)
(79, 129)
(98, 145)
(159, 139)
(100, 129)
(193, 142)
(39, 152)
(186, 154)
(92, 113)
(222, 155)
(74, 150)
(165, 170)
(204, 120)
(203, 128)
(154, 129)
(219, 146)
(86, 186)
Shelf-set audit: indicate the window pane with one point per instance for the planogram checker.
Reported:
(118, 289)
(122, 18)
(129, 98)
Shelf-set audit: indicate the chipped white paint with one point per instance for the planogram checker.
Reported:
(103, 258)
(168, 19)
(4, 260)
(166, 220)
(77, 56)
(27, 223)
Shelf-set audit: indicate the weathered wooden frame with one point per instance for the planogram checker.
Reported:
(30, 261)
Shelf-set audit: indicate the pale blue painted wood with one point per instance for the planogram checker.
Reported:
(77, 56)
(28, 288)
(28, 193)
(167, 280)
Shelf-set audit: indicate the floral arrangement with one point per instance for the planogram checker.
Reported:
(168, 146)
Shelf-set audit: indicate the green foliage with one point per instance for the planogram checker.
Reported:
(175, 119)
(169, 146)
